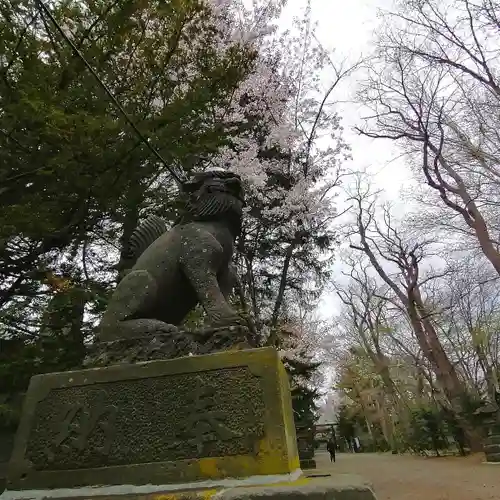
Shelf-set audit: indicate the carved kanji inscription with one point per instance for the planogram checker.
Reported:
(206, 423)
(152, 419)
(78, 423)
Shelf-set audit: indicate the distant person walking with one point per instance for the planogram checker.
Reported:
(357, 445)
(330, 447)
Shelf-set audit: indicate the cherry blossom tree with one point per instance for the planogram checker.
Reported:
(208, 84)
(289, 149)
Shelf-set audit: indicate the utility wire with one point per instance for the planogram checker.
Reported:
(43, 8)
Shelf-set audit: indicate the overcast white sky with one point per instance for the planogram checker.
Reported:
(348, 28)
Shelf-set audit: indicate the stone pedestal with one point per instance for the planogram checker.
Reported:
(158, 423)
(305, 445)
(489, 414)
(492, 447)
(193, 428)
(326, 487)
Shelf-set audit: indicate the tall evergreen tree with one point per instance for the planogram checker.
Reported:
(305, 393)
(207, 87)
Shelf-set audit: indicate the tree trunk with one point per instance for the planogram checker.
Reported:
(282, 285)
(444, 370)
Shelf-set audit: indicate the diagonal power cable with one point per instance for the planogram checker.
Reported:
(44, 9)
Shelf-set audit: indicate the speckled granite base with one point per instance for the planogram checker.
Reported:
(329, 487)
(197, 418)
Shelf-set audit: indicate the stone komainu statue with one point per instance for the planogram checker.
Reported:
(177, 269)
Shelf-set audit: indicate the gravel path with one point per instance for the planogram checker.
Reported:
(414, 478)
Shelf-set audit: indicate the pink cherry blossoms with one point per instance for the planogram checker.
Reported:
(285, 90)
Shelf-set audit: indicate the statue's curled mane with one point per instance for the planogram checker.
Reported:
(209, 196)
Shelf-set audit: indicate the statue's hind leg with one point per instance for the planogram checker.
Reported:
(135, 292)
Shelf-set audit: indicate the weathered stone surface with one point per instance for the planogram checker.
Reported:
(189, 264)
(307, 463)
(337, 487)
(492, 448)
(330, 487)
(167, 346)
(494, 438)
(488, 415)
(492, 442)
(305, 445)
(201, 417)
